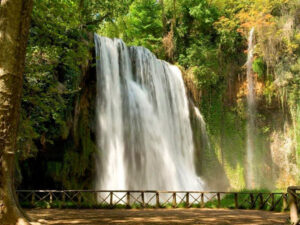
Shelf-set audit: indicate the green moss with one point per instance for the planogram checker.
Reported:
(227, 131)
(259, 67)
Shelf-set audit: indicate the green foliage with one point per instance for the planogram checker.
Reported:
(276, 56)
(71, 172)
(140, 26)
(144, 25)
(228, 201)
(209, 38)
(59, 46)
(259, 67)
(58, 52)
(54, 55)
(228, 136)
(229, 40)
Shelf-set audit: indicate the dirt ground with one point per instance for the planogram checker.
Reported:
(156, 216)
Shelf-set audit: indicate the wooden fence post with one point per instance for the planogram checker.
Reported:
(252, 201)
(50, 197)
(219, 199)
(202, 200)
(293, 205)
(33, 198)
(257, 200)
(79, 198)
(261, 201)
(143, 199)
(111, 199)
(187, 201)
(272, 201)
(63, 199)
(174, 200)
(236, 200)
(284, 202)
(128, 199)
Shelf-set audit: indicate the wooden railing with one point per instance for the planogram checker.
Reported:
(294, 201)
(149, 199)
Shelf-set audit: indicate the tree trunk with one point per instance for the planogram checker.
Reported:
(14, 26)
(174, 15)
(172, 32)
(163, 17)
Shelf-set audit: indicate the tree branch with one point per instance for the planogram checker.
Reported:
(97, 21)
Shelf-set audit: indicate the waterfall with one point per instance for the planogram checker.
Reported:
(144, 135)
(251, 111)
(204, 135)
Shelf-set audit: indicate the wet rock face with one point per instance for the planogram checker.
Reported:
(59, 161)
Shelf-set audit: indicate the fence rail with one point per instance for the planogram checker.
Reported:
(159, 199)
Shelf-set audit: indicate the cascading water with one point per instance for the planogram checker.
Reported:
(204, 135)
(144, 133)
(251, 111)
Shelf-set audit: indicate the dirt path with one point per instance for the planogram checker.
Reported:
(157, 216)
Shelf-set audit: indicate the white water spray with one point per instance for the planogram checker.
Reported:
(204, 135)
(144, 133)
(251, 111)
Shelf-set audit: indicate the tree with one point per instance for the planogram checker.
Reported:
(144, 24)
(56, 78)
(168, 40)
(163, 16)
(14, 26)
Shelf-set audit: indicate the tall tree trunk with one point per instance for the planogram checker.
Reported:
(173, 25)
(168, 40)
(14, 26)
(172, 33)
(163, 17)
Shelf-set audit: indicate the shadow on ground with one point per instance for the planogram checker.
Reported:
(157, 216)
